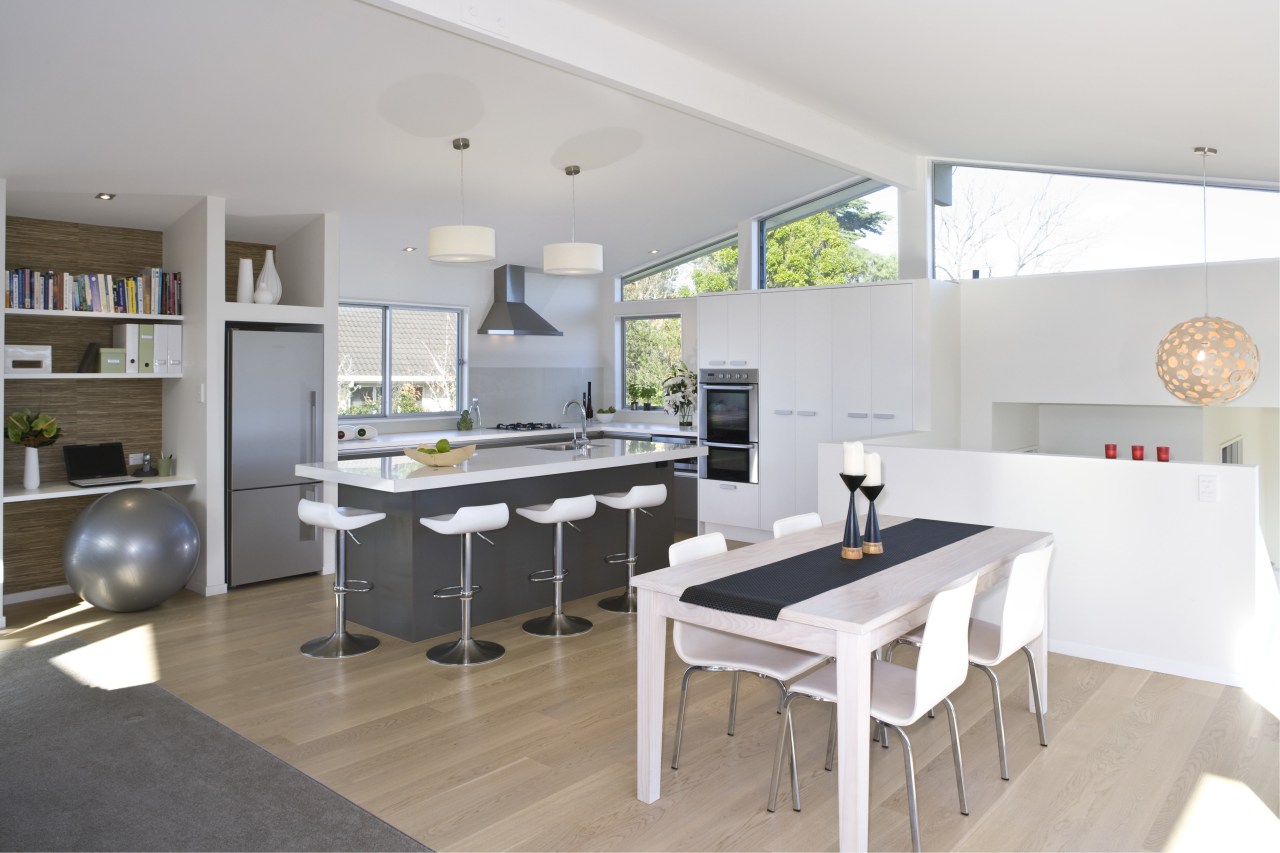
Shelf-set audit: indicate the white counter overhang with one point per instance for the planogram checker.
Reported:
(492, 464)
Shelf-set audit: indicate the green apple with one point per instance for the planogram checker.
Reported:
(442, 446)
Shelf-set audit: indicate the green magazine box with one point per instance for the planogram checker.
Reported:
(111, 360)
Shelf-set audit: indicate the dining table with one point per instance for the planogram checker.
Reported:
(885, 597)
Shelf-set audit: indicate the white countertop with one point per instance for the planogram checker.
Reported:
(400, 440)
(492, 464)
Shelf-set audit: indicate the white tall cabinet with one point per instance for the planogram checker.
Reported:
(873, 389)
(729, 329)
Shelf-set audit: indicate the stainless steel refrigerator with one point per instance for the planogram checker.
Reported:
(275, 397)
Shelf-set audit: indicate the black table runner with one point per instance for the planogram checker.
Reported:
(765, 590)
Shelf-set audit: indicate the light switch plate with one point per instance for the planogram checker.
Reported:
(1208, 488)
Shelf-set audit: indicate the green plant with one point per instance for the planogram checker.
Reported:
(464, 422)
(32, 429)
(680, 391)
(634, 390)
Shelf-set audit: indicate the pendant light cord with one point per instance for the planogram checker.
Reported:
(1204, 221)
(462, 196)
(573, 208)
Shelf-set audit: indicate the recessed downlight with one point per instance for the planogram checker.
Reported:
(411, 248)
(653, 251)
(105, 196)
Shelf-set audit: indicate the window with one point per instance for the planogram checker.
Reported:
(704, 270)
(847, 236)
(650, 353)
(1006, 222)
(413, 351)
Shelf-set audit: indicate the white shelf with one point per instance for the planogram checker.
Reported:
(11, 376)
(53, 491)
(254, 313)
(89, 315)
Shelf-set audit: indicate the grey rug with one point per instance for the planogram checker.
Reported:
(139, 769)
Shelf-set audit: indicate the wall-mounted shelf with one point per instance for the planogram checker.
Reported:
(90, 315)
(53, 491)
(9, 377)
(249, 312)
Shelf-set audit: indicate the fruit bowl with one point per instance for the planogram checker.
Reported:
(441, 460)
(604, 417)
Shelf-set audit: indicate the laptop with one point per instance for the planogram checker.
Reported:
(96, 464)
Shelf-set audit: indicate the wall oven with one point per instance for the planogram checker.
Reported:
(728, 424)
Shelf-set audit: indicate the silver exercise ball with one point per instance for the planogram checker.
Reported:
(130, 550)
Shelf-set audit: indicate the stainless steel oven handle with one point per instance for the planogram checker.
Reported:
(728, 486)
(731, 446)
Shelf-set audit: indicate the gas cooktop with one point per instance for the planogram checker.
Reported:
(526, 425)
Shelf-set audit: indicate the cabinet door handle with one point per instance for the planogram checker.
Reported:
(782, 411)
(716, 362)
(882, 416)
(728, 486)
(857, 414)
(737, 362)
(807, 414)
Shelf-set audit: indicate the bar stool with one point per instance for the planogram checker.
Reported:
(343, 519)
(635, 500)
(563, 511)
(466, 650)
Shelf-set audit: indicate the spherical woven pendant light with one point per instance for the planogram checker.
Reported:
(1207, 360)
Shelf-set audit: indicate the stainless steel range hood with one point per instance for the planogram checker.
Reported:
(509, 314)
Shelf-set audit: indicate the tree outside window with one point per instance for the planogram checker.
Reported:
(822, 242)
(650, 353)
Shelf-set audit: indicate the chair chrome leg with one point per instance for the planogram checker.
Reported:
(1035, 693)
(733, 703)
(831, 739)
(999, 715)
(910, 767)
(786, 738)
(342, 643)
(684, 695)
(955, 754)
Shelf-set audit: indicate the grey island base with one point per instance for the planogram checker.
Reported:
(407, 563)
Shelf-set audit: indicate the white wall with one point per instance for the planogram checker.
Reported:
(1090, 338)
(1083, 430)
(1260, 431)
(1144, 573)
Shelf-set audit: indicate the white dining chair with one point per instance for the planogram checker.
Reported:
(796, 524)
(1022, 618)
(707, 650)
(899, 695)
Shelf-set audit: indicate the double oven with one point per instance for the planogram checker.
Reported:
(729, 424)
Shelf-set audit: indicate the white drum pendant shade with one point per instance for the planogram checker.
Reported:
(573, 258)
(1207, 360)
(461, 244)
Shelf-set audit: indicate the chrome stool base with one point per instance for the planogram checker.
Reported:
(625, 603)
(557, 625)
(465, 652)
(340, 645)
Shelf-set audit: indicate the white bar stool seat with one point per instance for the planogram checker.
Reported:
(638, 499)
(466, 650)
(343, 519)
(561, 512)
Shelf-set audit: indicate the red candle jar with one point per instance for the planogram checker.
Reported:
(1110, 450)
(1162, 454)
(1139, 452)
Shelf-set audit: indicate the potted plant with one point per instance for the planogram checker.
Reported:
(634, 390)
(647, 393)
(32, 431)
(680, 393)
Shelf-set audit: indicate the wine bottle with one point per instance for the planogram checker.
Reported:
(590, 413)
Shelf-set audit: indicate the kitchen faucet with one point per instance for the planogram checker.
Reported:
(578, 442)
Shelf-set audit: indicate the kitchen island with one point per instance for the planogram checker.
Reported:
(407, 562)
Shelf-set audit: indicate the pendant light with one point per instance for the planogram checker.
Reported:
(461, 244)
(573, 258)
(1207, 360)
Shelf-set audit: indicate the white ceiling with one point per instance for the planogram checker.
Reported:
(294, 107)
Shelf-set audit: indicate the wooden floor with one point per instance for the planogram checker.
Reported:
(537, 751)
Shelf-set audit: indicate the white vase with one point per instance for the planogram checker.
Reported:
(31, 468)
(269, 279)
(244, 284)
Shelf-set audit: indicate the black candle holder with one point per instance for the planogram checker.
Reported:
(851, 545)
(872, 543)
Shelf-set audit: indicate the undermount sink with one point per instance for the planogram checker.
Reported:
(562, 446)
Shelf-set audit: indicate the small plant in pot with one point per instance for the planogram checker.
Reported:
(634, 390)
(680, 393)
(32, 430)
(647, 393)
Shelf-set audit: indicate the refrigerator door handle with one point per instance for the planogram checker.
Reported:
(315, 426)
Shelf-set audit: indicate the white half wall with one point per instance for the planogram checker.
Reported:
(1144, 573)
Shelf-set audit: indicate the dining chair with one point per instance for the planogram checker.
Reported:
(899, 695)
(1022, 618)
(708, 650)
(796, 524)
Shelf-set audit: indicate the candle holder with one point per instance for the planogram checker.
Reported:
(851, 545)
(871, 539)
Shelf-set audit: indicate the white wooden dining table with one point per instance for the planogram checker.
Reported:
(848, 623)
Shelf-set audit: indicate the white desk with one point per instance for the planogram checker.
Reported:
(848, 623)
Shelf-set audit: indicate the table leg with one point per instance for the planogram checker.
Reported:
(853, 738)
(651, 661)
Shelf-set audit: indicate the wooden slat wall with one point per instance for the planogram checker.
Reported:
(257, 252)
(88, 410)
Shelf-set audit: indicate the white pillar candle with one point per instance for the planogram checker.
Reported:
(854, 464)
(874, 474)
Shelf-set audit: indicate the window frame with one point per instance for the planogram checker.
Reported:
(623, 319)
(463, 377)
(725, 242)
